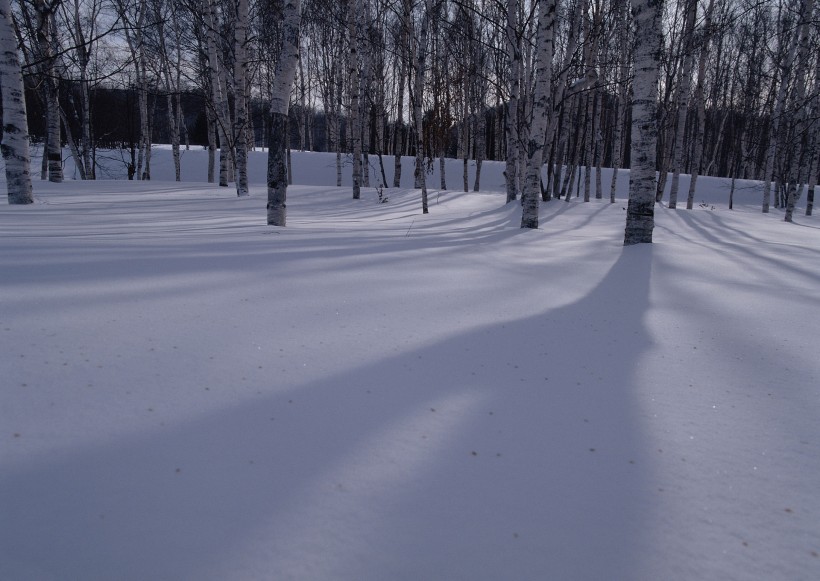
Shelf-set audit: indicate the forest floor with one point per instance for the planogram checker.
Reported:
(375, 394)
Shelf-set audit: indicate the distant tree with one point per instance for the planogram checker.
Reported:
(511, 127)
(45, 35)
(419, 67)
(681, 100)
(240, 79)
(354, 79)
(700, 104)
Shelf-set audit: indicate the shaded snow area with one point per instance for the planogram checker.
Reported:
(375, 394)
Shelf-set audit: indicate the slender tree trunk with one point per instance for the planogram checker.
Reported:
(218, 100)
(45, 32)
(700, 106)
(418, 100)
(531, 195)
(796, 172)
(240, 104)
(211, 145)
(72, 144)
(15, 144)
(403, 58)
(480, 145)
(682, 100)
(280, 101)
(512, 124)
(338, 127)
(354, 129)
(623, 91)
(640, 214)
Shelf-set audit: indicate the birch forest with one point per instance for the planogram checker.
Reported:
(555, 89)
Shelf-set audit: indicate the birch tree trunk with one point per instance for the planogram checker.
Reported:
(338, 127)
(640, 213)
(280, 101)
(682, 100)
(15, 146)
(240, 103)
(420, 63)
(480, 145)
(45, 33)
(796, 171)
(218, 102)
(700, 106)
(403, 57)
(622, 95)
(82, 52)
(354, 128)
(512, 124)
(531, 195)
(170, 88)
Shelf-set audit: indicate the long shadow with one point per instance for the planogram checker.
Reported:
(510, 451)
(758, 254)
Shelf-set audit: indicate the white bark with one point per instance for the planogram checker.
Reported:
(354, 126)
(403, 57)
(796, 167)
(170, 86)
(700, 106)
(218, 101)
(45, 33)
(640, 214)
(240, 104)
(512, 125)
(531, 195)
(83, 40)
(420, 63)
(280, 101)
(682, 99)
(15, 146)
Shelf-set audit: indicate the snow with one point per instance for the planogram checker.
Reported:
(372, 393)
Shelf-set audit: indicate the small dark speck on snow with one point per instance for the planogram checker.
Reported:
(16, 434)
(474, 453)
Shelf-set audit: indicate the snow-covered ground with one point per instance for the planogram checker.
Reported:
(375, 394)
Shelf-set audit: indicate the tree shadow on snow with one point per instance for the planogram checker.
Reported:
(510, 451)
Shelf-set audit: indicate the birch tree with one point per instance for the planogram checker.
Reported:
(354, 128)
(284, 76)
(403, 57)
(240, 103)
(218, 98)
(682, 98)
(45, 34)
(541, 105)
(14, 146)
(513, 49)
(419, 65)
(796, 171)
(700, 105)
(640, 213)
(134, 17)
